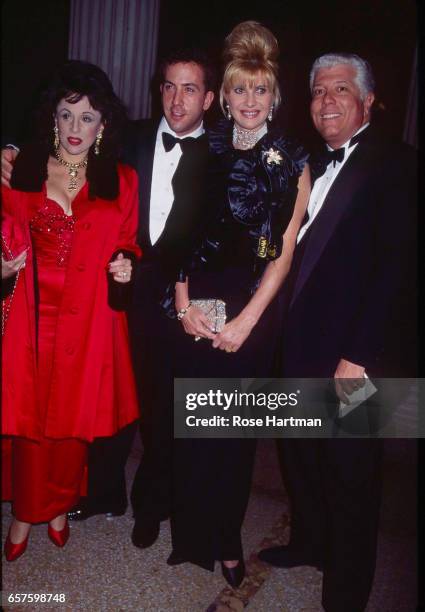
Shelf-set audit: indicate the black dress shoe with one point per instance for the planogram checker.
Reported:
(175, 559)
(82, 512)
(284, 556)
(145, 532)
(234, 575)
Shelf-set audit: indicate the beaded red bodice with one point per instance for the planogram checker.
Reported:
(52, 232)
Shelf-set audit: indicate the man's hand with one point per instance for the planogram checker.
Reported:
(8, 156)
(348, 378)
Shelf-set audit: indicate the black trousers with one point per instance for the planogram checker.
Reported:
(335, 488)
(152, 335)
(212, 477)
(107, 459)
(151, 489)
(213, 480)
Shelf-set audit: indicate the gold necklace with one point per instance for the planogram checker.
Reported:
(72, 169)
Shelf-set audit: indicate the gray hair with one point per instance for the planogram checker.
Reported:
(364, 76)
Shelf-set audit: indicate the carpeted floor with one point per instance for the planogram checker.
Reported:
(100, 570)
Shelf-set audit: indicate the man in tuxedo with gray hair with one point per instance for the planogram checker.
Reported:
(349, 313)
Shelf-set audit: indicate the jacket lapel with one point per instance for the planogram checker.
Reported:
(335, 205)
(139, 153)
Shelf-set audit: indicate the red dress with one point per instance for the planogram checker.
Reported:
(49, 489)
(51, 232)
(84, 380)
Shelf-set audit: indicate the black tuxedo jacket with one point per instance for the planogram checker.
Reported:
(164, 258)
(351, 292)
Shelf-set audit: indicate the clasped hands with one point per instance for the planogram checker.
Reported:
(120, 268)
(231, 337)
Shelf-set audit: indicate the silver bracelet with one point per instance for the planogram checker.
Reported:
(183, 311)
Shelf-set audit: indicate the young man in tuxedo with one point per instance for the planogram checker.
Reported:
(170, 158)
(349, 312)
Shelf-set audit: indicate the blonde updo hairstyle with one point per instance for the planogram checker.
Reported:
(249, 50)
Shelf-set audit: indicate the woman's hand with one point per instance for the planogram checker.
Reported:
(196, 324)
(120, 269)
(8, 156)
(234, 333)
(10, 267)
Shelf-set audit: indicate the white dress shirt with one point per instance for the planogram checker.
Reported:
(164, 166)
(324, 183)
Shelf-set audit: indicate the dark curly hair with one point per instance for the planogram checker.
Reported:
(72, 81)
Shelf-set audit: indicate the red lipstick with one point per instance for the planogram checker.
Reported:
(74, 141)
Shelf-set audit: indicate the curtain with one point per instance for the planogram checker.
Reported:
(122, 38)
(410, 134)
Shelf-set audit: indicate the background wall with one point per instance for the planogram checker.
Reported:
(382, 31)
(35, 40)
(121, 38)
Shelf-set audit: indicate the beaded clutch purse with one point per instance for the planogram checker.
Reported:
(215, 311)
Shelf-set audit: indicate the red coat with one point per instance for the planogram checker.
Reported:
(92, 390)
(19, 365)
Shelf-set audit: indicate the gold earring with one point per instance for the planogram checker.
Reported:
(97, 142)
(229, 114)
(270, 115)
(56, 140)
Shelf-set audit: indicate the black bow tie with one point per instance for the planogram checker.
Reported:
(320, 161)
(336, 155)
(169, 141)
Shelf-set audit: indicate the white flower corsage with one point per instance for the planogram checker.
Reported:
(273, 157)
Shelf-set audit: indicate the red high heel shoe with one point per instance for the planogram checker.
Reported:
(14, 551)
(59, 538)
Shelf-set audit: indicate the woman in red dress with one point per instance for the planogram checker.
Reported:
(66, 361)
